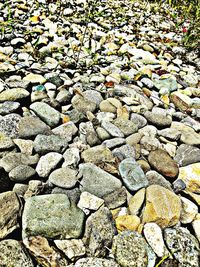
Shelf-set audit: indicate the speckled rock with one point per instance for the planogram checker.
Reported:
(127, 222)
(64, 177)
(187, 154)
(189, 211)
(21, 173)
(8, 124)
(97, 154)
(127, 127)
(13, 94)
(5, 142)
(8, 107)
(95, 262)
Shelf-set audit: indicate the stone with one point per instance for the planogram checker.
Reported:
(127, 127)
(170, 133)
(123, 152)
(181, 101)
(144, 165)
(64, 177)
(156, 178)
(54, 78)
(13, 254)
(44, 254)
(8, 124)
(66, 130)
(103, 134)
(130, 249)
(110, 105)
(5, 142)
(34, 78)
(73, 248)
(8, 107)
(154, 237)
(95, 262)
(111, 143)
(89, 202)
(116, 198)
(73, 194)
(13, 94)
(134, 139)
(83, 104)
(189, 211)
(71, 157)
(178, 186)
(99, 232)
(158, 119)
(9, 213)
(31, 126)
(190, 176)
(21, 173)
(135, 202)
(112, 129)
(183, 246)
(49, 143)
(132, 174)
(196, 226)
(162, 206)
(186, 155)
(51, 216)
(47, 163)
(97, 154)
(138, 120)
(163, 163)
(150, 143)
(97, 181)
(20, 189)
(46, 113)
(127, 222)
(25, 146)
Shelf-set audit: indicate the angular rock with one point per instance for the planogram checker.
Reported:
(52, 216)
(89, 202)
(127, 127)
(156, 178)
(123, 152)
(5, 142)
(136, 202)
(71, 157)
(189, 211)
(73, 248)
(96, 181)
(8, 124)
(163, 163)
(116, 198)
(186, 155)
(13, 94)
(162, 206)
(132, 174)
(83, 104)
(25, 146)
(99, 232)
(64, 177)
(21, 173)
(111, 143)
(127, 222)
(97, 154)
(112, 129)
(66, 130)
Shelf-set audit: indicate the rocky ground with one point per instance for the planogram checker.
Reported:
(99, 136)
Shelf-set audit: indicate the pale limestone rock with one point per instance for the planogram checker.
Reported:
(189, 211)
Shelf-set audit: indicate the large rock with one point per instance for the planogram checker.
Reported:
(52, 216)
(97, 181)
(13, 94)
(162, 206)
(97, 154)
(9, 213)
(183, 246)
(9, 124)
(99, 232)
(13, 254)
(157, 119)
(187, 154)
(21, 173)
(64, 177)
(163, 163)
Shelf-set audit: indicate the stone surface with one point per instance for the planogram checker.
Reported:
(186, 155)
(163, 163)
(132, 174)
(116, 198)
(112, 129)
(5, 142)
(156, 178)
(95, 262)
(127, 127)
(8, 107)
(52, 216)
(99, 232)
(89, 202)
(135, 202)
(162, 206)
(66, 130)
(189, 211)
(157, 119)
(13, 94)
(127, 222)
(13, 254)
(97, 154)
(9, 213)
(96, 181)
(73, 248)
(8, 124)
(64, 177)
(21, 173)
(196, 226)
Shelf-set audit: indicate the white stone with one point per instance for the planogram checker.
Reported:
(89, 201)
(189, 211)
(72, 248)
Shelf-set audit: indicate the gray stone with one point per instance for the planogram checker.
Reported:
(123, 152)
(99, 232)
(21, 173)
(130, 249)
(13, 254)
(89, 202)
(183, 246)
(178, 186)
(97, 154)
(9, 213)
(156, 178)
(52, 216)
(114, 142)
(46, 113)
(75, 115)
(73, 194)
(47, 163)
(83, 104)
(187, 154)
(116, 198)
(158, 119)
(54, 78)
(71, 157)
(64, 177)
(18, 84)
(112, 129)
(8, 107)
(31, 126)
(127, 127)
(97, 181)
(95, 262)
(8, 124)
(18, 41)
(132, 174)
(49, 143)
(66, 130)
(170, 133)
(13, 94)
(138, 119)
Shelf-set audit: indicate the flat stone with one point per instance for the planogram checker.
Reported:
(47, 163)
(64, 177)
(13, 94)
(183, 246)
(189, 211)
(49, 143)
(12, 253)
(31, 126)
(116, 198)
(138, 120)
(34, 78)
(21, 173)
(95, 262)
(8, 124)
(51, 216)
(132, 174)
(112, 129)
(46, 113)
(66, 130)
(97, 181)
(190, 175)
(157, 119)
(73, 248)
(162, 206)
(135, 203)
(111, 143)
(99, 232)
(123, 152)
(89, 202)
(156, 178)
(71, 157)
(110, 105)
(5, 142)
(97, 154)
(9, 213)
(127, 222)
(163, 163)
(186, 155)
(130, 249)
(83, 104)
(8, 107)
(25, 146)
(127, 127)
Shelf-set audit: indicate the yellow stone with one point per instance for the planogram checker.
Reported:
(162, 206)
(191, 176)
(136, 202)
(127, 222)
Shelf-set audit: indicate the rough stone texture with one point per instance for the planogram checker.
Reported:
(158, 119)
(186, 154)
(8, 107)
(189, 211)
(64, 177)
(156, 178)
(129, 249)
(95, 262)
(52, 216)
(13, 94)
(116, 198)
(97, 154)
(136, 202)
(127, 222)
(99, 233)
(89, 202)
(123, 152)
(13, 254)
(9, 213)
(112, 129)
(21, 173)
(132, 174)
(163, 163)
(183, 246)
(5, 142)
(8, 124)
(25, 146)
(96, 181)
(66, 130)
(162, 206)
(83, 104)
(72, 248)
(127, 127)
